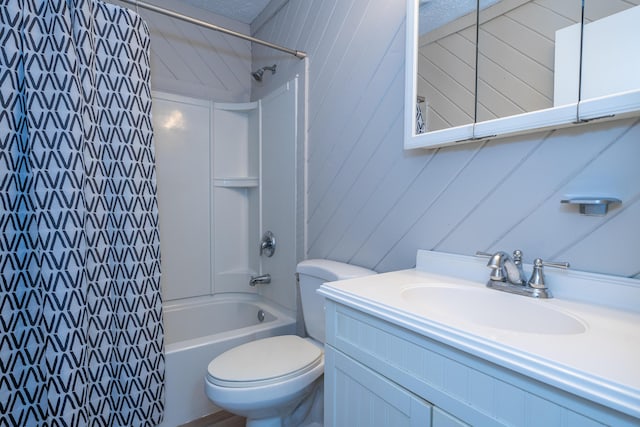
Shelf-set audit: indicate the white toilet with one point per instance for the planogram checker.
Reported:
(273, 380)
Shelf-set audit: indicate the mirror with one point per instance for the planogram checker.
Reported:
(497, 80)
(610, 63)
(446, 69)
(517, 56)
(528, 65)
(440, 72)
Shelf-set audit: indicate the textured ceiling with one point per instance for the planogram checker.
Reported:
(436, 13)
(240, 10)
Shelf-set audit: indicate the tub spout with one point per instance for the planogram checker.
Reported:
(260, 280)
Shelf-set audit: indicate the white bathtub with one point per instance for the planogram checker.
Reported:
(199, 329)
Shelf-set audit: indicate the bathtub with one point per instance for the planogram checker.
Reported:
(199, 329)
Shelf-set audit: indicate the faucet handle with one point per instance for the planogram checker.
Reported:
(268, 244)
(537, 276)
(555, 264)
(483, 254)
(517, 257)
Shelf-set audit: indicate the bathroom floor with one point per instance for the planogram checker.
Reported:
(219, 419)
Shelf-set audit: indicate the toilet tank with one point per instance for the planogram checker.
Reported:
(312, 273)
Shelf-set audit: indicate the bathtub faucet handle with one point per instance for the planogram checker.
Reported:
(260, 280)
(268, 244)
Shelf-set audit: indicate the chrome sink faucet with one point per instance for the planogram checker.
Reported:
(507, 274)
(505, 269)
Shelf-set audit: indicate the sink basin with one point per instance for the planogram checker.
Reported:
(492, 309)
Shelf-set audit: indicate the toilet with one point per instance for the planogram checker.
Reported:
(276, 381)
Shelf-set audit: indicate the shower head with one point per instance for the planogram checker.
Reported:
(257, 75)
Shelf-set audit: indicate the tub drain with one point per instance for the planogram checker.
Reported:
(260, 316)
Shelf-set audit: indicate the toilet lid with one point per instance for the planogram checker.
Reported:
(266, 360)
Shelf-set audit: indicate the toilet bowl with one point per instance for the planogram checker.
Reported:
(279, 373)
(276, 381)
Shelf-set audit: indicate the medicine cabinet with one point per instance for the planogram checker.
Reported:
(491, 68)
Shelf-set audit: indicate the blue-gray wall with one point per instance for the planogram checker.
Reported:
(371, 203)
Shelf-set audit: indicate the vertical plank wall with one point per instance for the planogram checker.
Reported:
(371, 203)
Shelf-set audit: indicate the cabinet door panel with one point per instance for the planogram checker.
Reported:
(443, 419)
(357, 396)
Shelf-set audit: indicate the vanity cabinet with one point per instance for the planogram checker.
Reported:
(380, 374)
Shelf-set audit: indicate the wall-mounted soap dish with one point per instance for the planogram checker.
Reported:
(596, 206)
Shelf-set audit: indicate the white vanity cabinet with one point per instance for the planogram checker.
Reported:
(378, 373)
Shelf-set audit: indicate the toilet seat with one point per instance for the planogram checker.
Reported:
(265, 361)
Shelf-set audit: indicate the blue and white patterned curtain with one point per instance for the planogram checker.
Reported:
(81, 334)
(421, 126)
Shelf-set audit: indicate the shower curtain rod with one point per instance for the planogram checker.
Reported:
(172, 14)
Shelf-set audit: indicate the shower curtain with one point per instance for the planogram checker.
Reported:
(421, 126)
(81, 334)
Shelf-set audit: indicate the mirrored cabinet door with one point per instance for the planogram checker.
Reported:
(446, 64)
(440, 72)
(610, 58)
(528, 64)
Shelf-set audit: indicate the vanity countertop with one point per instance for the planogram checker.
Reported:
(599, 361)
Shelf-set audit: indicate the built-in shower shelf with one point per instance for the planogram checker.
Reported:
(236, 182)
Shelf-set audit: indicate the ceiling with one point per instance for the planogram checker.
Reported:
(240, 10)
